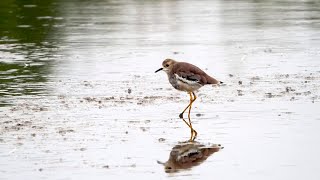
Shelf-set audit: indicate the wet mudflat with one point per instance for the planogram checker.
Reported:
(79, 97)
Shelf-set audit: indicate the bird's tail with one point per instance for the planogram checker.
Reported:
(212, 80)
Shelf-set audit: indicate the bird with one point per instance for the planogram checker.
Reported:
(187, 77)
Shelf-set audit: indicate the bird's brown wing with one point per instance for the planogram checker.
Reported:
(189, 76)
(193, 73)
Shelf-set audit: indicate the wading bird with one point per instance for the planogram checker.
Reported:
(184, 76)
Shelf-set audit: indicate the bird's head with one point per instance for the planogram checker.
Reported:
(167, 65)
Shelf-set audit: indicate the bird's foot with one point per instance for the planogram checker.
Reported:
(181, 115)
(195, 135)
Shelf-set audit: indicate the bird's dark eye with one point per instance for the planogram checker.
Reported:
(167, 65)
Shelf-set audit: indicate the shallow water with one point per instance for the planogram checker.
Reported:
(79, 97)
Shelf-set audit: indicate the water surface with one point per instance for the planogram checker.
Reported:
(79, 98)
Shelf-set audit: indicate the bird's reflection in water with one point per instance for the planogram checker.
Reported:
(185, 155)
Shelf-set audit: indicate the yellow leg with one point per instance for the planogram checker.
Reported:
(186, 122)
(181, 114)
(190, 124)
(193, 132)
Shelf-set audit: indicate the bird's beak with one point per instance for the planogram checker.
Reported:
(159, 70)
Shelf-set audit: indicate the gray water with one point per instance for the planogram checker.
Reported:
(79, 98)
